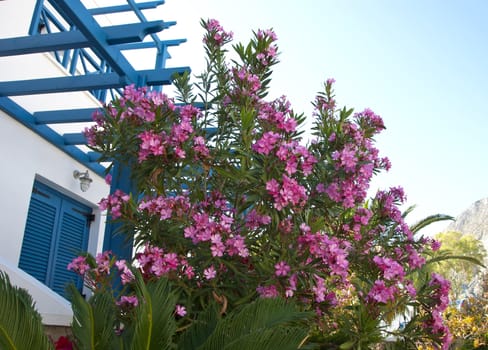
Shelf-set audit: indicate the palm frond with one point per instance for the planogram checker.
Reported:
(429, 220)
(201, 329)
(255, 324)
(20, 323)
(154, 325)
(445, 257)
(277, 338)
(83, 324)
(408, 211)
(93, 320)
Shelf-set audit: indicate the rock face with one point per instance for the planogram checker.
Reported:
(473, 221)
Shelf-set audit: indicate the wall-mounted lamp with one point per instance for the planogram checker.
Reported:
(84, 178)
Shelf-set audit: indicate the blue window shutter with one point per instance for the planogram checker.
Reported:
(41, 223)
(56, 231)
(72, 240)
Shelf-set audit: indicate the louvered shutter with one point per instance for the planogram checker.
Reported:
(56, 231)
(71, 241)
(40, 227)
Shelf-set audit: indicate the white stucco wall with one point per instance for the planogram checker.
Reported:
(26, 157)
(16, 17)
(54, 309)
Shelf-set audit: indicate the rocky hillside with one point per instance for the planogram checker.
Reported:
(474, 220)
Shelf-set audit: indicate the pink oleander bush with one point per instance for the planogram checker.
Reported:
(233, 203)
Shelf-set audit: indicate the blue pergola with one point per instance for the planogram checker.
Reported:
(93, 55)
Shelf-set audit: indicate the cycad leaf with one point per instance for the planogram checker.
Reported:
(445, 257)
(83, 325)
(20, 323)
(408, 211)
(200, 330)
(429, 220)
(154, 324)
(104, 317)
(277, 338)
(261, 320)
(93, 320)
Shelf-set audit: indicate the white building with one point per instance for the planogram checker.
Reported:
(57, 59)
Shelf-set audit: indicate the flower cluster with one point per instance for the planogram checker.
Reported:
(96, 271)
(232, 202)
(289, 192)
(114, 203)
(216, 35)
(440, 301)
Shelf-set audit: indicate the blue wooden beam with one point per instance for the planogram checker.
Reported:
(150, 44)
(64, 116)
(82, 115)
(81, 18)
(120, 34)
(61, 84)
(142, 18)
(71, 139)
(25, 118)
(94, 156)
(125, 8)
(87, 82)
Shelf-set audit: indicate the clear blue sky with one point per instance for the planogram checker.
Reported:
(421, 65)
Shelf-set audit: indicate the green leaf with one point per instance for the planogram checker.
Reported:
(200, 330)
(455, 257)
(154, 325)
(347, 345)
(263, 324)
(20, 323)
(429, 220)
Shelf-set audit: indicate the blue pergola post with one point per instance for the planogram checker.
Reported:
(118, 242)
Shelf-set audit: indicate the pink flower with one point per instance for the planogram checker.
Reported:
(409, 287)
(180, 310)
(126, 274)
(152, 144)
(216, 34)
(108, 179)
(435, 245)
(130, 301)
(267, 291)
(255, 220)
(289, 193)
(346, 158)
(441, 294)
(282, 269)
(114, 203)
(415, 260)
(210, 273)
(180, 153)
(103, 262)
(237, 246)
(380, 293)
(266, 143)
(217, 247)
(319, 289)
(79, 265)
(200, 147)
(391, 269)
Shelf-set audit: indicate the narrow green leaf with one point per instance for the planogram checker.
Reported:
(347, 345)
(20, 323)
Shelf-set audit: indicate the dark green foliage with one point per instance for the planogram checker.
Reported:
(20, 323)
(263, 324)
(93, 321)
(153, 323)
